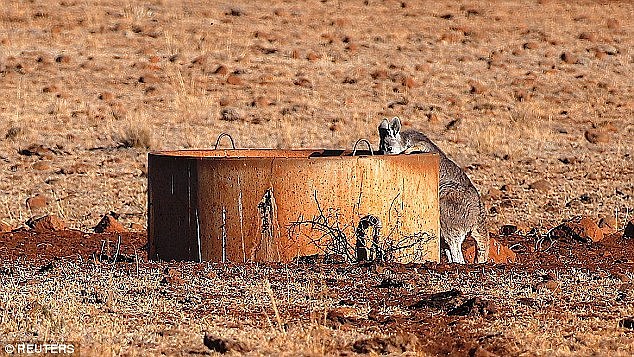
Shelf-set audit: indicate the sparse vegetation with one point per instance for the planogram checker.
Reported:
(515, 92)
(136, 136)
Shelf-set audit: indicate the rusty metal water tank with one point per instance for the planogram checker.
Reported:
(260, 205)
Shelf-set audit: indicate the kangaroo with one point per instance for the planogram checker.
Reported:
(461, 209)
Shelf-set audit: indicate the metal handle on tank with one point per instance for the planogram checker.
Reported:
(222, 136)
(354, 149)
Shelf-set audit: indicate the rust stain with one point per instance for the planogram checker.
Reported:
(266, 210)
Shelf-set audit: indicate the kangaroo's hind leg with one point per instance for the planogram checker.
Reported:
(444, 248)
(481, 237)
(455, 248)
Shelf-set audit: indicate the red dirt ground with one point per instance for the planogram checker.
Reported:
(439, 324)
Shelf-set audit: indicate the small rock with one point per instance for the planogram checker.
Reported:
(600, 55)
(36, 202)
(441, 300)
(498, 253)
(235, 12)
(231, 114)
(477, 87)
(221, 70)
(548, 284)
(521, 95)
(62, 59)
(106, 96)
(200, 60)
(527, 301)
(453, 124)
(393, 344)
(590, 229)
(569, 160)
(13, 132)
(607, 49)
(78, 168)
(589, 198)
(281, 13)
(583, 230)
(540, 185)
(38, 150)
(587, 36)
(149, 79)
(379, 74)
(569, 58)
(508, 229)
(627, 322)
(628, 233)
(352, 47)
(613, 24)
(597, 136)
(388, 283)
(474, 306)
(530, 45)
(312, 56)
(46, 224)
(41, 166)
(109, 224)
(224, 345)
(172, 276)
(224, 101)
(495, 193)
(303, 82)
(234, 80)
(261, 102)
(342, 315)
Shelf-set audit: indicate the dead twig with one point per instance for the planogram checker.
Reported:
(278, 318)
(116, 254)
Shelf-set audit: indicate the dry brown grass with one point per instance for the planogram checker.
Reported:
(86, 77)
(122, 310)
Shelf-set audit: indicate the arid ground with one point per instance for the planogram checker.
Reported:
(535, 99)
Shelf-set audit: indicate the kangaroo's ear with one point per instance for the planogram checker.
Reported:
(396, 125)
(385, 125)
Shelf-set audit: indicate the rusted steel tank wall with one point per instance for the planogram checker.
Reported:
(277, 205)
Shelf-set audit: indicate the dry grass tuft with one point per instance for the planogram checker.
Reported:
(136, 136)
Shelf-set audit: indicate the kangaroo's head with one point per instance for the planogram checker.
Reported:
(390, 134)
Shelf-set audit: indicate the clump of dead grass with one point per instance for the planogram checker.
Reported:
(135, 134)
